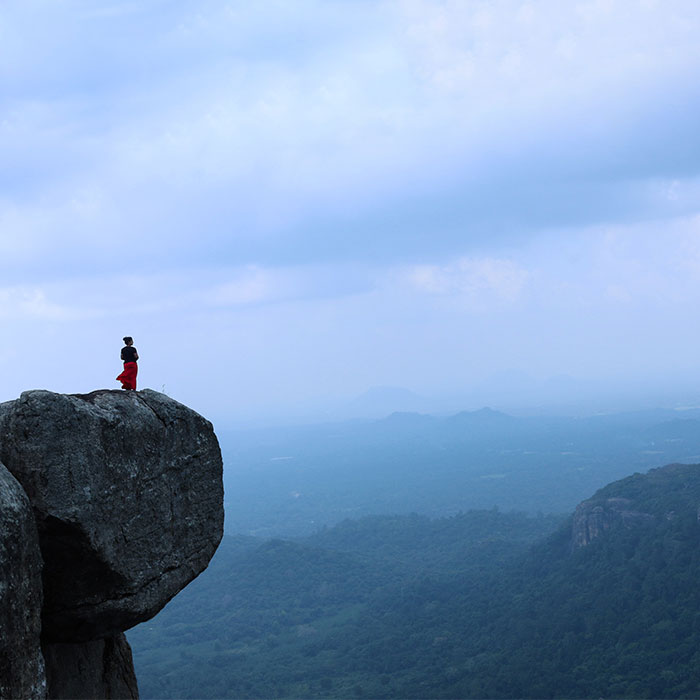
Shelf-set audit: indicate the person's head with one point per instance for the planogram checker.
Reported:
(128, 340)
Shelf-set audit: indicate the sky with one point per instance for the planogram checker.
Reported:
(286, 203)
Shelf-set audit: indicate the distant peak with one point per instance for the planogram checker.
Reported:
(484, 413)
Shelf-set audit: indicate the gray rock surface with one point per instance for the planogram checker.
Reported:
(126, 488)
(595, 516)
(21, 663)
(100, 669)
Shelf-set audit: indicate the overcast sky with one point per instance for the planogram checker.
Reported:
(290, 201)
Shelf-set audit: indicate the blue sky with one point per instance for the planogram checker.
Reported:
(286, 203)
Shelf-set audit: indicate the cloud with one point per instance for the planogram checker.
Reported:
(188, 291)
(254, 286)
(33, 304)
(291, 133)
(547, 53)
(477, 283)
(639, 267)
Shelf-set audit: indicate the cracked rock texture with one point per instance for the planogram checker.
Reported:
(21, 663)
(100, 669)
(126, 493)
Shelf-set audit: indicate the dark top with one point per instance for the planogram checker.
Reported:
(129, 353)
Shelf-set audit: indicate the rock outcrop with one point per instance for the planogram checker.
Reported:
(100, 669)
(21, 662)
(594, 516)
(126, 492)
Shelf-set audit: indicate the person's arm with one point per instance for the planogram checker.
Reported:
(136, 355)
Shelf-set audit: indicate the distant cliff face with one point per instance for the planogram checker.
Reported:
(661, 494)
(593, 517)
(126, 493)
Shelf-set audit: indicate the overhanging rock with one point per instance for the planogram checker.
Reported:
(127, 493)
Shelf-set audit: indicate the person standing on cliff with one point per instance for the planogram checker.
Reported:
(129, 356)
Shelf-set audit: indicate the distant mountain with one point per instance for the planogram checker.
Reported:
(483, 422)
(484, 416)
(380, 401)
(406, 419)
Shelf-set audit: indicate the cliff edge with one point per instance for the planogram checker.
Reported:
(123, 492)
(637, 501)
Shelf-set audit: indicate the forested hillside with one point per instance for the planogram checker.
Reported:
(275, 618)
(467, 606)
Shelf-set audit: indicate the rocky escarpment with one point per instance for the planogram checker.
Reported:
(126, 493)
(593, 517)
(663, 494)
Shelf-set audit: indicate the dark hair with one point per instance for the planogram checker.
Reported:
(128, 339)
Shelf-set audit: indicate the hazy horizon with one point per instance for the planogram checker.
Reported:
(554, 396)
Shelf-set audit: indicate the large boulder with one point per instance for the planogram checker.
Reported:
(127, 494)
(100, 669)
(21, 663)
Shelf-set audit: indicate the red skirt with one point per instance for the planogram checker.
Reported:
(128, 376)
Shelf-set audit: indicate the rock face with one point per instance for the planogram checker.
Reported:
(127, 499)
(21, 663)
(100, 669)
(595, 516)
(127, 492)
